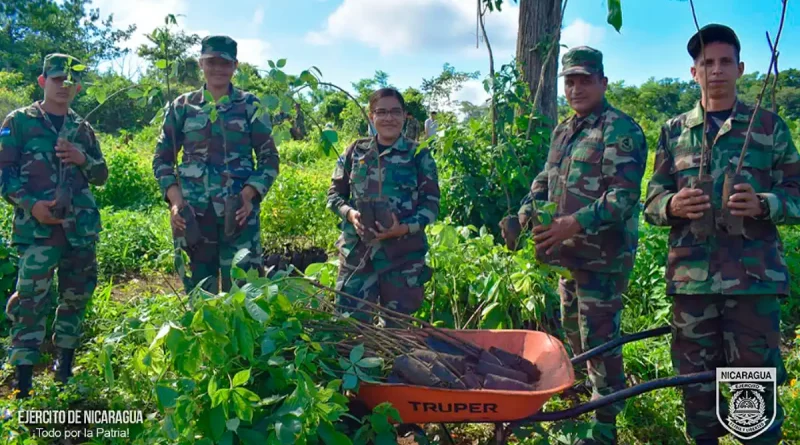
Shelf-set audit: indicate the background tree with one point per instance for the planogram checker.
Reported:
(31, 29)
(439, 90)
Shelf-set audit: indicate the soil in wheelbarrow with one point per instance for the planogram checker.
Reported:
(300, 258)
(443, 366)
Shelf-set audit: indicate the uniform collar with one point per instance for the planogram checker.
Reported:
(741, 113)
(401, 144)
(39, 113)
(594, 115)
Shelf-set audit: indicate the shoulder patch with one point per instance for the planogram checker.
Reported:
(626, 143)
(5, 131)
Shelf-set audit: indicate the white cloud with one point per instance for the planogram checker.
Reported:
(472, 91)
(258, 17)
(407, 26)
(580, 33)
(149, 14)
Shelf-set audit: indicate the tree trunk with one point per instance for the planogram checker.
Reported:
(539, 21)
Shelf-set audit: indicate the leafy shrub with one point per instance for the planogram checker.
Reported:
(10, 100)
(134, 241)
(294, 211)
(301, 152)
(131, 183)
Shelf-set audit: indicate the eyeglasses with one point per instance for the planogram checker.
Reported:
(382, 113)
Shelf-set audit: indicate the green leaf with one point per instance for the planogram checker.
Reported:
(287, 429)
(240, 255)
(350, 381)
(330, 136)
(278, 75)
(214, 321)
(281, 63)
(161, 334)
(161, 64)
(108, 368)
(271, 64)
(233, 424)
(615, 14)
(370, 362)
(268, 346)
(207, 96)
(219, 397)
(166, 396)
(78, 67)
(271, 400)
(100, 96)
(217, 422)
(357, 353)
(387, 438)
(245, 339)
(212, 387)
(135, 93)
(241, 378)
(227, 438)
(330, 436)
(251, 437)
(255, 310)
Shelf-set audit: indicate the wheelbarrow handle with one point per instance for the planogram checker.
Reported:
(578, 359)
(666, 382)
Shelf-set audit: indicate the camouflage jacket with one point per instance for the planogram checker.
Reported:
(29, 172)
(412, 129)
(207, 146)
(724, 264)
(594, 172)
(410, 182)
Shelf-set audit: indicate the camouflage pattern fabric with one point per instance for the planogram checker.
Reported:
(594, 172)
(29, 172)
(591, 308)
(77, 279)
(218, 46)
(207, 179)
(723, 264)
(709, 331)
(60, 65)
(212, 257)
(400, 288)
(412, 129)
(582, 60)
(411, 185)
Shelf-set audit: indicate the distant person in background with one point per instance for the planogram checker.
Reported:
(36, 144)
(389, 267)
(412, 127)
(208, 177)
(431, 126)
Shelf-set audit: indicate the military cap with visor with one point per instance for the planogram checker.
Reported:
(712, 33)
(581, 60)
(218, 46)
(60, 65)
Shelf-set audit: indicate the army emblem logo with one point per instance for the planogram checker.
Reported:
(751, 409)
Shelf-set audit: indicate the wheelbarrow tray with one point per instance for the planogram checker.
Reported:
(420, 404)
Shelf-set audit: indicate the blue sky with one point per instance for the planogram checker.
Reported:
(412, 39)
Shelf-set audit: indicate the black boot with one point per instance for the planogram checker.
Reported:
(24, 381)
(63, 366)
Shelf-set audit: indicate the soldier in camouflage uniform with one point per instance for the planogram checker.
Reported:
(217, 162)
(36, 143)
(412, 128)
(593, 173)
(725, 288)
(390, 270)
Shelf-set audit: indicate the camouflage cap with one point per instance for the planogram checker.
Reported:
(57, 65)
(712, 33)
(582, 60)
(218, 46)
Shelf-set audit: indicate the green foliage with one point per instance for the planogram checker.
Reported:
(32, 29)
(294, 212)
(130, 180)
(439, 90)
(479, 284)
(134, 241)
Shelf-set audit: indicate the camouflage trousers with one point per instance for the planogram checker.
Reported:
(28, 312)
(591, 308)
(213, 256)
(398, 286)
(710, 331)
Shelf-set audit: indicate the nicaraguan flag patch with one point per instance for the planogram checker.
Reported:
(5, 131)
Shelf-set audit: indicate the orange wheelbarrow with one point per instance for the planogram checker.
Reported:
(420, 405)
